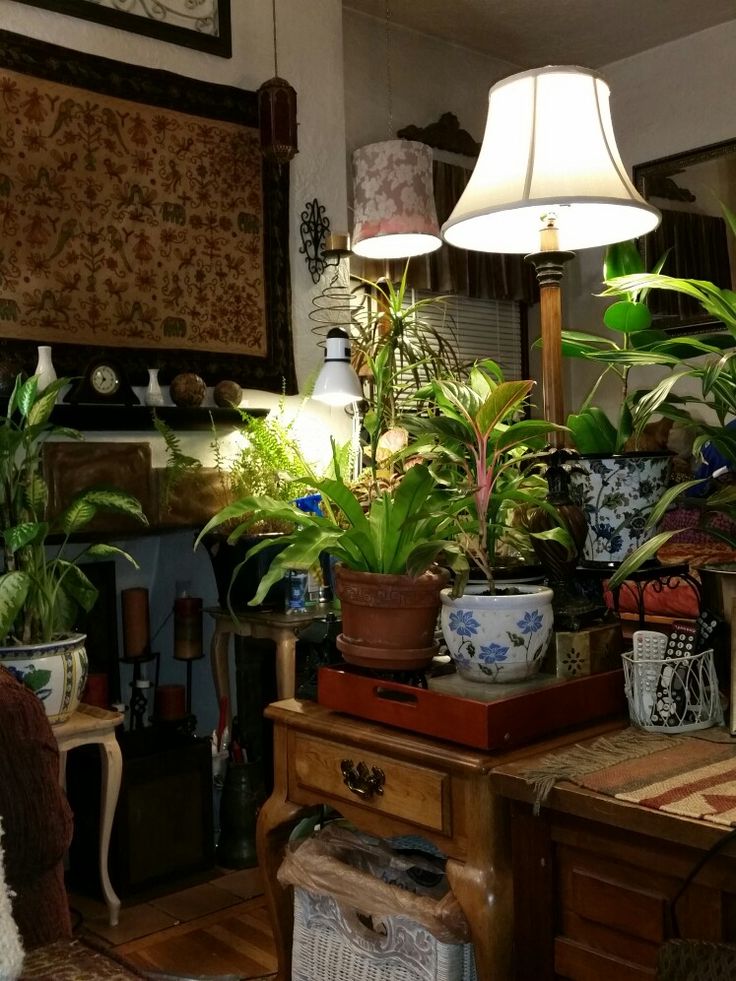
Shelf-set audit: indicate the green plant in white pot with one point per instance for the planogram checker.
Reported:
(41, 587)
(482, 449)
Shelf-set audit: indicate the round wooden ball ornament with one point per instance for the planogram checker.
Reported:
(187, 390)
(227, 394)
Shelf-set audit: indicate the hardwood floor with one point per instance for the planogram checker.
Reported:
(218, 927)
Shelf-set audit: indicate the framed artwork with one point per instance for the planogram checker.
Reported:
(140, 221)
(202, 24)
(688, 188)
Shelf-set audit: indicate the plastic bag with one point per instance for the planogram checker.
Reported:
(365, 874)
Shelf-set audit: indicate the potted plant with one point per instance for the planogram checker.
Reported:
(480, 447)
(42, 586)
(262, 460)
(617, 480)
(716, 377)
(385, 576)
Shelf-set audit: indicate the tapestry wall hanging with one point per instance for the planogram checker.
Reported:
(138, 216)
(202, 24)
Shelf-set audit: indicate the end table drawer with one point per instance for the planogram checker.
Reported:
(353, 775)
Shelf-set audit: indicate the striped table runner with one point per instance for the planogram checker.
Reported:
(684, 775)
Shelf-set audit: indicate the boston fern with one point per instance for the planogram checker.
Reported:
(41, 589)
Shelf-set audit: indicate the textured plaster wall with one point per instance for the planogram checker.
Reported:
(311, 57)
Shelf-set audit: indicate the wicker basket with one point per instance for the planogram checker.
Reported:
(336, 943)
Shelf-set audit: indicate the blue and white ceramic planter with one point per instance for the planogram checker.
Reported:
(56, 672)
(498, 638)
(617, 493)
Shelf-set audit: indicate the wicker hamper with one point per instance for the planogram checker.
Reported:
(333, 943)
(364, 912)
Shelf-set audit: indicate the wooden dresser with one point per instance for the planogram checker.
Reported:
(594, 879)
(426, 787)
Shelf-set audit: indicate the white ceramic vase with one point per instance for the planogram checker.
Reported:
(498, 638)
(154, 395)
(55, 671)
(45, 371)
(617, 494)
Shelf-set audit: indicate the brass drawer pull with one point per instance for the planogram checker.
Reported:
(362, 780)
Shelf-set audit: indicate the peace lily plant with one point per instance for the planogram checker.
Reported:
(42, 587)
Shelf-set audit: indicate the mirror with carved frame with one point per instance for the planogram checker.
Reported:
(689, 188)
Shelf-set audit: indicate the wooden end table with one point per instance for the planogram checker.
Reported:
(87, 725)
(431, 788)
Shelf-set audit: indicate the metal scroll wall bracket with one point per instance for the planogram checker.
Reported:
(314, 229)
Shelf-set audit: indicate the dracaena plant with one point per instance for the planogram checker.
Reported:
(482, 448)
(634, 342)
(41, 587)
(402, 531)
(716, 376)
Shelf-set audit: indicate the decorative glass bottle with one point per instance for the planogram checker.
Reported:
(154, 395)
(44, 368)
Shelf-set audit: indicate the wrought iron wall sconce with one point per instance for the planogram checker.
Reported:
(314, 229)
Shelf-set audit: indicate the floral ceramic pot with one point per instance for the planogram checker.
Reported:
(56, 672)
(617, 494)
(498, 638)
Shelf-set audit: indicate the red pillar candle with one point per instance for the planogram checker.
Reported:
(96, 691)
(170, 702)
(136, 622)
(187, 628)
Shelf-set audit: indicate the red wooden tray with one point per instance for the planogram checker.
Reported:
(489, 716)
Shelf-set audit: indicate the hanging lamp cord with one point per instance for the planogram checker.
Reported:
(275, 53)
(389, 89)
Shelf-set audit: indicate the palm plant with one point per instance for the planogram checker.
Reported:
(398, 350)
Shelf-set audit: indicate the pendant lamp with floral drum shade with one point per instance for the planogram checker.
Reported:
(394, 215)
(277, 113)
(394, 212)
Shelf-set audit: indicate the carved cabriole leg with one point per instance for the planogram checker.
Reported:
(112, 770)
(483, 884)
(285, 663)
(275, 822)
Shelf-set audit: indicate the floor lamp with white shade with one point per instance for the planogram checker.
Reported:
(549, 180)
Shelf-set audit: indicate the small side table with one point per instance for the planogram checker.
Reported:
(273, 625)
(87, 725)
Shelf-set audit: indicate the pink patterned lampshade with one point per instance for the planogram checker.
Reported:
(393, 200)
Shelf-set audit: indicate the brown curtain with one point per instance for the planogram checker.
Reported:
(482, 275)
(698, 250)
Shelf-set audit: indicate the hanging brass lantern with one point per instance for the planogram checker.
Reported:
(277, 112)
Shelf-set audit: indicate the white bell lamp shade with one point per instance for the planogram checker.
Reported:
(337, 383)
(548, 152)
(394, 214)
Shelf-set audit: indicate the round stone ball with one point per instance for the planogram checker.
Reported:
(187, 390)
(227, 394)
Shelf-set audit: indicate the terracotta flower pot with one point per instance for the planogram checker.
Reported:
(389, 622)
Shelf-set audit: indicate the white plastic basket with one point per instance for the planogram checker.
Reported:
(676, 694)
(334, 943)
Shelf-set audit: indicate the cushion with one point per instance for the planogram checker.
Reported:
(35, 814)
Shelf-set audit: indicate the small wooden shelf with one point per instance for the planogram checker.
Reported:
(139, 418)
